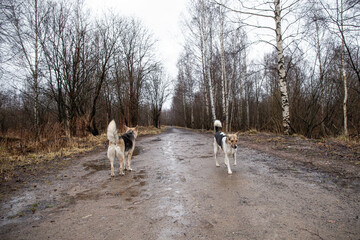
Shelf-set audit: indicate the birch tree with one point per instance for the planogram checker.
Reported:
(346, 25)
(346, 133)
(201, 29)
(276, 11)
(27, 20)
(224, 79)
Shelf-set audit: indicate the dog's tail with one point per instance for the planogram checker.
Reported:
(217, 125)
(112, 134)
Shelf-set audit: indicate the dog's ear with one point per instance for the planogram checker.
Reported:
(126, 128)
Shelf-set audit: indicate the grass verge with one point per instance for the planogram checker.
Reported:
(16, 153)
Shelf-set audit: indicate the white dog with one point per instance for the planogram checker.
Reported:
(227, 142)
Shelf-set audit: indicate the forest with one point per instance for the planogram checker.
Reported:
(66, 73)
(308, 83)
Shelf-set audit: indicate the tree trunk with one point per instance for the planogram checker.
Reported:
(346, 133)
(184, 105)
(321, 79)
(191, 109)
(247, 97)
(91, 121)
(224, 81)
(67, 116)
(242, 76)
(36, 75)
(207, 44)
(281, 71)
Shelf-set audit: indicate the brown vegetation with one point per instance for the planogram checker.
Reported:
(20, 154)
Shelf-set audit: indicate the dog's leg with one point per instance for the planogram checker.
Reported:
(121, 157)
(111, 156)
(234, 155)
(129, 159)
(216, 148)
(228, 164)
(112, 167)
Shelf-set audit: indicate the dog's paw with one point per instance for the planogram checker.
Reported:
(229, 172)
(218, 165)
(234, 163)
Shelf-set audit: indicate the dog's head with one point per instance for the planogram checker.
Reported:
(232, 139)
(132, 130)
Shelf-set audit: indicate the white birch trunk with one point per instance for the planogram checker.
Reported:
(242, 79)
(184, 104)
(207, 43)
(203, 62)
(281, 70)
(321, 79)
(247, 105)
(191, 104)
(36, 75)
(231, 84)
(224, 81)
(346, 133)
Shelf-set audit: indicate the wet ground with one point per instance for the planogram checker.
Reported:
(176, 192)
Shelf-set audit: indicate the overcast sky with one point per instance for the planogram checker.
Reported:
(161, 17)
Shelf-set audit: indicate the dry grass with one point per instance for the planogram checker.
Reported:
(18, 153)
(151, 130)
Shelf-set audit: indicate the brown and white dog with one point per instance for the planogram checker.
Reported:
(120, 147)
(227, 143)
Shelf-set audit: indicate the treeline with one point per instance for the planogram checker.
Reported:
(65, 72)
(309, 84)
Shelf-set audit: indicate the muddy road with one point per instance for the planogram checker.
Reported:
(177, 192)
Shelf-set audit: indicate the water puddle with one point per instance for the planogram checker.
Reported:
(137, 151)
(96, 165)
(18, 204)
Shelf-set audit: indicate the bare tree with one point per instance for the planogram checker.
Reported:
(137, 47)
(201, 27)
(157, 86)
(107, 35)
(273, 10)
(27, 19)
(346, 20)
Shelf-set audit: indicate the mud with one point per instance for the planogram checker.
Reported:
(176, 192)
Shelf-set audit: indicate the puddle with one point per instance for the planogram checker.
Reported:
(23, 206)
(87, 196)
(137, 150)
(96, 165)
(140, 175)
(18, 204)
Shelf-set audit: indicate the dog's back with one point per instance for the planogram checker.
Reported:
(218, 135)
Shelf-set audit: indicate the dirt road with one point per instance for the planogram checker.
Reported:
(176, 192)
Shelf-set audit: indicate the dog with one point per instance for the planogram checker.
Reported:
(121, 147)
(227, 143)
